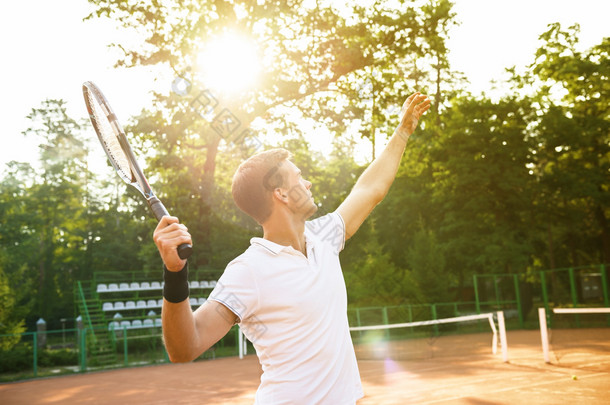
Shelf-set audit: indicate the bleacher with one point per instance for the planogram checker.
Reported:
(136, 304)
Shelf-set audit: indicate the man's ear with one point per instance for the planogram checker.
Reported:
(279, 194)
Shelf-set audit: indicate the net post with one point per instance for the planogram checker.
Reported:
(544, 336)
(503, 343)
(494, 339)
(545, 295)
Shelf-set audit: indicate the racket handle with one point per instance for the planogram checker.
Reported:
(185, 250)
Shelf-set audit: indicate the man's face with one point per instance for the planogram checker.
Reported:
(297, 190)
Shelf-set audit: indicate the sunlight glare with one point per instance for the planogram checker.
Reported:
(229, 63)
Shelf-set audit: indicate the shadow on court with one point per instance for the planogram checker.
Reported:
(474, 378)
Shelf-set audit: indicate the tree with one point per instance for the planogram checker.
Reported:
(573, 149)
(317, 57)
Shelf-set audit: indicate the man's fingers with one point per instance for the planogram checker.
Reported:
(422, 107)
(165, 221)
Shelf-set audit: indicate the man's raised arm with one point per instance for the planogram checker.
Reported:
(374, 183)
(186, 334)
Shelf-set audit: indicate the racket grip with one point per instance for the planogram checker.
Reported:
(157, 208)
(185, 250)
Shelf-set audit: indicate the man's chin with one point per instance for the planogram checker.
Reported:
(313, 208)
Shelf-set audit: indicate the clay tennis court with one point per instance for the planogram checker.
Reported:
(479, 378)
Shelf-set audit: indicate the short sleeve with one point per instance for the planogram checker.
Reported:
(237, 290)
(329, 229)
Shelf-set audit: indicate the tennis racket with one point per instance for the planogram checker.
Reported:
(113, 140)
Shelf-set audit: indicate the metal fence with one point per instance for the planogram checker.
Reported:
(70, 351)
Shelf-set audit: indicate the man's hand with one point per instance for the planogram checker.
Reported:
(413, 108)
(168, 235)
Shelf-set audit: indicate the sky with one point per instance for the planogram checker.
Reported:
(48, 52)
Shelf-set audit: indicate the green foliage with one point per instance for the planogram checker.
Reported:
(427, 261)
(485, 186)
(16, 359)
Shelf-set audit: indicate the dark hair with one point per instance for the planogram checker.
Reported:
(255, 180)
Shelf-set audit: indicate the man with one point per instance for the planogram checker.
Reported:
(286, 290)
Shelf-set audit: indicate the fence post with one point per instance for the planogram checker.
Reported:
(41, 328)
(476, 294)
(434, 316)
(604, 285)
(518, 297)
(35, 350)
(497, 292)
(83, 350)
(573, 294)
(125, 355)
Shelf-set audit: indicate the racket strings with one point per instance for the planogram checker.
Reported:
(109, 138)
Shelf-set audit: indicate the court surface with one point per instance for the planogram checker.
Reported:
(478, 379)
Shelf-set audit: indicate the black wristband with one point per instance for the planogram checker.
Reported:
(176, 286)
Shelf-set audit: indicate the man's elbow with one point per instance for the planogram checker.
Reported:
(182, 354)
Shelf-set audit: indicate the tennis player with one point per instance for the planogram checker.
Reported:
(286, 290)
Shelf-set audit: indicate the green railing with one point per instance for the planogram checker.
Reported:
(69, 351)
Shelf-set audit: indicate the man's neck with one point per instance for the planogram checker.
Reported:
(286, 232)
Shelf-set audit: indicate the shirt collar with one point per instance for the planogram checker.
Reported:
(267, 244)
(310, 241)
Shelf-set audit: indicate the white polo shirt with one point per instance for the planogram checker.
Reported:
(294, 310)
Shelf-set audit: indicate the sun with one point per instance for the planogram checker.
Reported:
(229, 63)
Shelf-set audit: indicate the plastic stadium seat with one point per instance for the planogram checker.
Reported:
(130, 305)
(141, 304)
(124, 287)
(212, 284)
(201, 301)
(134, 286)
(194, 284)
(158, 322)
(117, 316)
(125, 324)
(119, 305)
(107, 306)
(148, 323)
(113, 287)
(144, 285)
(102, 288)
(204, 284)
(151, 304)
(160, 302)
(114, 325)
(136, 323)
(155, 285)
(151, 313)
(193, 301)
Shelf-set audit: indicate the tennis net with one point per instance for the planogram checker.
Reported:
(576, 337)
(458, 336)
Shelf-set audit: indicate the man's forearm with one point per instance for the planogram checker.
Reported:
(179, 333)
(380, 174)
